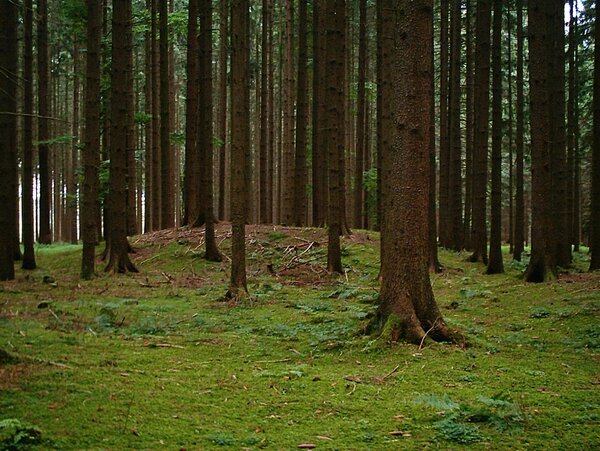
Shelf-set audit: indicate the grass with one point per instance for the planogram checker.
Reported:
(157, 360)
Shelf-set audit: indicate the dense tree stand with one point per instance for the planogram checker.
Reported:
(595, 200)
(408, 310)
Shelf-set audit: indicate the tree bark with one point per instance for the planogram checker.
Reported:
(444, 186)
(519, 236)
(27, 182)
(117, 245)
(480, 149)
(595, 197)
(454, 207)
(43, 95)
(8, 136)
(408, 310)
(91, 151)
(542, 264)
(495, 264)
(300, 168)
(156, 123)
(167, 209)
(469, 126)
(240, 141)
(359, 191)
(335, 17)
(222, 93)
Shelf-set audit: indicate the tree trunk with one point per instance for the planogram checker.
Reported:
(443, 210)
(408, 310)
(361, 120)
(556, 80)
(121, 83)
(595, 197)
(335, 17)
(434, 261)
(264, 206)
(43, 94)
(167, 210)
(495, 264)
(469, 126)
(519, 238)
(542, 264)
(240, 141)
(454, 208)
(480, 149)
(300, 169)
(222, 93)
(156, 124)
(73, 163)
(192, 166)
(27, 182)
(91, 151)
(148, 133)
(8, 136)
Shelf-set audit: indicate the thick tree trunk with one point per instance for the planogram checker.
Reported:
(480, 149)
(121, 83)
(408, 310)
(8, 136)
(335, 15)
(542, 264)
(495, 264)
(240, 141)
(91, 152)
(27, 182)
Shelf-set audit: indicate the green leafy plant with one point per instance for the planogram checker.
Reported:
(17, 434)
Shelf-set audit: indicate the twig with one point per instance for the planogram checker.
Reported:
(391, 372)
(274, 361)
(427, 333)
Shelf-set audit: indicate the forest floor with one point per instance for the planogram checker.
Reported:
(157, 359)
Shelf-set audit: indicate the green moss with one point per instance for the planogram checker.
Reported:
(144, 361)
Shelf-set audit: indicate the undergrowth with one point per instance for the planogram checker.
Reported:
(157, 359)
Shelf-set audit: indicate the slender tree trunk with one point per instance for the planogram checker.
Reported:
(595, 195)
(157, 118)
(542, 264)
(469, 126)
(408, 307)
(121, 83)
(519, 236)
(91, 152)
(27, 182)
(167, 209)
(43, 95)
(148, 133)
(264, 206)
(576, 156)
(480, 150)
(359, 192)
(8, 136)
(335, 17)
(556, 80)
(454, 208)
(72, 183)
(300, 168)
(495, 264)
(434, 261)
(222, 93)
(205, 128)
(444, 209)
(317, 195)
(509, 125)
(571, 124)
(131, 141)
(192, 165)
(240, 141)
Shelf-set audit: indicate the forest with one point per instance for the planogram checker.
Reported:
(325, 224)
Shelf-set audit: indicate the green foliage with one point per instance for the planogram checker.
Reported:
(57, 140)
(16, 434)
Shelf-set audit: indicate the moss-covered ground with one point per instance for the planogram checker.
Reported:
(157, 360)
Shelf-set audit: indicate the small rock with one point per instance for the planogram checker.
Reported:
(48, 279)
